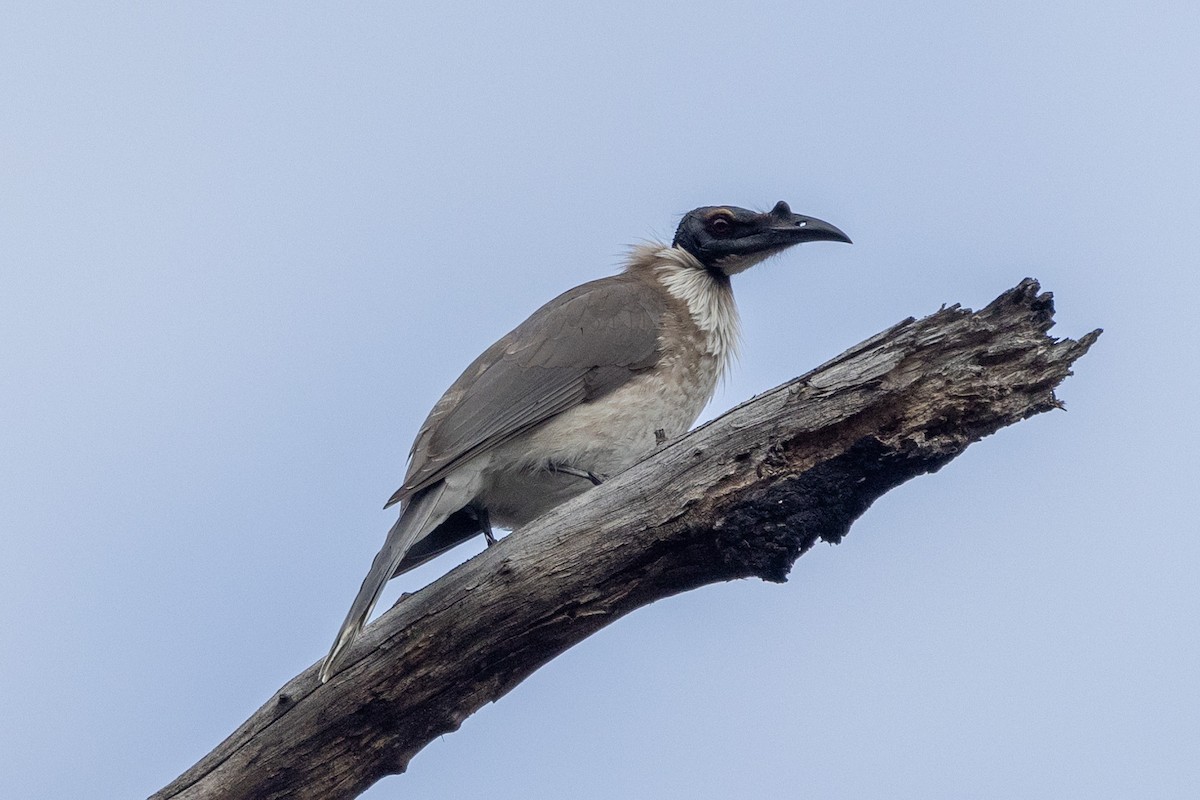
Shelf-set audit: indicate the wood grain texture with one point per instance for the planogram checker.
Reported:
(744, 495)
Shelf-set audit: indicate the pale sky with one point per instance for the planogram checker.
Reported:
(243, 251)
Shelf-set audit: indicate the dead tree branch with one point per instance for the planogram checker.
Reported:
(743, 496)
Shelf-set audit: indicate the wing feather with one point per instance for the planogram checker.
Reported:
(579, 346)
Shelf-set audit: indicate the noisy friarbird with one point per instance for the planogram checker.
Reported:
(581, 390)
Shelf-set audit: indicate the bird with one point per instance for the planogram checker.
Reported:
(589, 384)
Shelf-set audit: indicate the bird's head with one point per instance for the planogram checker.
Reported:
(730, 239)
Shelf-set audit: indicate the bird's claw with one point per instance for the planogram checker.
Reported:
(586, 474)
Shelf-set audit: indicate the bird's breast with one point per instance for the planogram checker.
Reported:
(610, 433)
(606, 435)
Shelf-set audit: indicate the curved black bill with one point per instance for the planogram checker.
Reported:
(799, 228)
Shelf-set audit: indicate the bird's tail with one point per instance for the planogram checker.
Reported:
(419, 516)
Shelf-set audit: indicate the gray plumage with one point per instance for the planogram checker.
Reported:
(580, 390)
(576, 348)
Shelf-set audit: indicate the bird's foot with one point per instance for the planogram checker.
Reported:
(485, 524)
(578, 473)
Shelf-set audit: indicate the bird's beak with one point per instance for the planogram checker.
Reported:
(789, 228)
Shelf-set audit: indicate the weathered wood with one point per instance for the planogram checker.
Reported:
(742, 496)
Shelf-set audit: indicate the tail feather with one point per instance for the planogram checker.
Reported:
(459, 527)
(417, 519)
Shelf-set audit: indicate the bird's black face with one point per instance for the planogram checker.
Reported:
(731, 239)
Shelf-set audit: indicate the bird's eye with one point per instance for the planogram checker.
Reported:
(720, 226)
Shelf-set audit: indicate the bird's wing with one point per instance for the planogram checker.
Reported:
(579, 346)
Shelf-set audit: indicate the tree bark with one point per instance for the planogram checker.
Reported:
(742, 496)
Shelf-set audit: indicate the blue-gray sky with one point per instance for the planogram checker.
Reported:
(243, 250)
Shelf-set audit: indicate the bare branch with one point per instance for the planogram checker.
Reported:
(742, 496)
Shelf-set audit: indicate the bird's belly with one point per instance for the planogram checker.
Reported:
(604, 436)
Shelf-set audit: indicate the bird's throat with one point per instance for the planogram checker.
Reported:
(708, 297)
